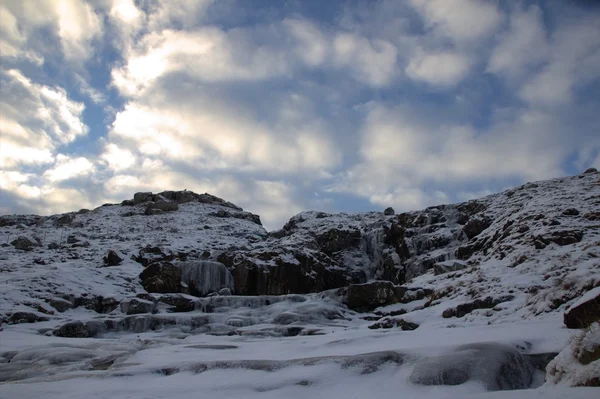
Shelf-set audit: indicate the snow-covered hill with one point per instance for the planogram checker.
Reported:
(122, 290)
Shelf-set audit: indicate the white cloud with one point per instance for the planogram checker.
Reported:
(36, 120)
(443, 68)
(574, 61)
(74, 22)
(118, 159)
(67, 168)
(522, 46)
(371, 61)
(459, 20)
(406, 154)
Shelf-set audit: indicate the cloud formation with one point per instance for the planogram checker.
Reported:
(279, 107)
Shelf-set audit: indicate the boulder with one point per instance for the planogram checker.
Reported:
(585, 311)
(570, 212)
(225, 291)
(60, 304)
(389, 211)
(137, 306)
(74, 329)
(25, 317)
(64, 220)
(591, 170)
(368, 296)
(498, 367)
(161, 277)
(162, 205)
(179, 302)
(139, 198)
(112, 259)
(466, 308)
(25, 244)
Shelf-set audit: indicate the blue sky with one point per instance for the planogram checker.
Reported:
(284, 106)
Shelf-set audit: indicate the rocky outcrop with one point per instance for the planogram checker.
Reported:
(365, 297)
(466, 308)
(161, 277)
(584, 312)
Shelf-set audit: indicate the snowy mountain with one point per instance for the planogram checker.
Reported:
(448, 301)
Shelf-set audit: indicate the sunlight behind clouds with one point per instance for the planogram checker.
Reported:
(274, 104)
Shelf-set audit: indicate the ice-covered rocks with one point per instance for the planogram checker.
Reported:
(137, 306)
(201, 278)
(498, 367)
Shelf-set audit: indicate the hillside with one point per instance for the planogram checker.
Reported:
(180, 283)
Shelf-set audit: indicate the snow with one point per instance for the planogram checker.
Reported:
(293, 345)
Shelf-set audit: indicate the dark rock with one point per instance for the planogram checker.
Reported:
(179, 302)
(498, 367)
(584, 314)
(466, 308)
(62, 305)
(161, 277)
(391, 323)
(476, 226)
(278, 233)
(570, 212)
(137, 306)
(53, 245)
(335, 240)
(591, 170)
(368, 296)
(150, 254)
(25, 244)
(139, 198)
(25, 317)
(161, 205)
(64, 220)
(97, 304)
(74, 329)
(389, 211)
(72, 239)
(112, 259)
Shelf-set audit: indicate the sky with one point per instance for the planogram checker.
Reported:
(292, 105)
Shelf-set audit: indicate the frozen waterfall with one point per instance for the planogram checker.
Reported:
(204, 277)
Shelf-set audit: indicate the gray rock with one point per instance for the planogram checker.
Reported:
(60, 304)
(225, 291)
(161, 277)
(26, 317)
(139, 198)
(591, 170)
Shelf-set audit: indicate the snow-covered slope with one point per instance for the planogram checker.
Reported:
(499, 269)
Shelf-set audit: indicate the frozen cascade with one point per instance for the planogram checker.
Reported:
(204, 277)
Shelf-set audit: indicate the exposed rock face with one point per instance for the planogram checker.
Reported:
(284, 271)
(448, 266)
(584, 312)
(498, 367)
(161, 277)
(60, 304)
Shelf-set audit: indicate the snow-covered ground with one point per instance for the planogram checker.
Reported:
(307, 345)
